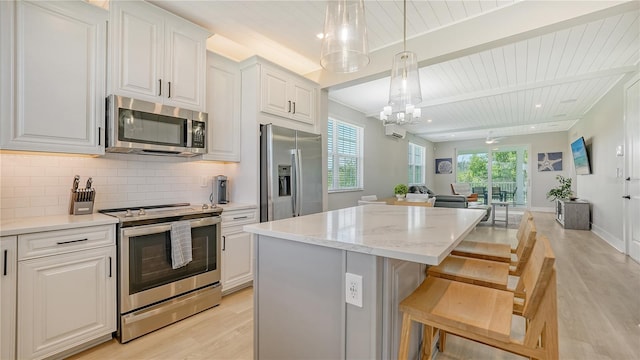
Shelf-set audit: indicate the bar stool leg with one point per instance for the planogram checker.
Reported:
(405, 337)
(427, 342)
(442, 341)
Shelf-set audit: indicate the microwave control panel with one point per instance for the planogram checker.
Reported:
(198, 132)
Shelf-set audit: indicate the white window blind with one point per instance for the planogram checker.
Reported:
(344, 160)
(416, 164)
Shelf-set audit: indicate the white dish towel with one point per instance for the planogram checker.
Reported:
(181, 253)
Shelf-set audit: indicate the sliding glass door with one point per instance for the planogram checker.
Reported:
(497, 174)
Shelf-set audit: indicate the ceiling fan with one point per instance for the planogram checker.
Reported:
(493, 139)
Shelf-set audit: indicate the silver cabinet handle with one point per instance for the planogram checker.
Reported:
(289, 106)
(294, 107)
(159, 87)
(99, 135)
(224, 243)
(71, 241)
(169, 90)
(628, 197)
(241, 217)
(4, 272)
(110, 266)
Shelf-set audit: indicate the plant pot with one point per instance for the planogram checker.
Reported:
(400, 197)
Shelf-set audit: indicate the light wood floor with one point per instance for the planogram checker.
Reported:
(598, 317)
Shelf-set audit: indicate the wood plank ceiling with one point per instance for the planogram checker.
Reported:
(564, 71)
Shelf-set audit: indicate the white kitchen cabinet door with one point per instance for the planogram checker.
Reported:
(137, 30)
(304, 104)
(65, 300)
(274, 97)
(223, 107)
(57, 78)
(8, 278)
(287, 95)
(237, 260)
(157, 56)
(185, 57)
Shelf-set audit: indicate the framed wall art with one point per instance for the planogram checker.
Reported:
(444, 166)
(551, 161)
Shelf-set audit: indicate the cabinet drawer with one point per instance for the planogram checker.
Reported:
(239, 217)
(64, 241)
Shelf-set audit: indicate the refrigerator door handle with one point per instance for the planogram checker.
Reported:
(296, 188)
(299, 181)
(294, 183)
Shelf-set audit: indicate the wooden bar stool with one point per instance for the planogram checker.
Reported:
(484, 315)
(487, 273)
(492, 251)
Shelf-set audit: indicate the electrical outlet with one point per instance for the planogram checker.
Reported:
(353, 289)
(204, 181)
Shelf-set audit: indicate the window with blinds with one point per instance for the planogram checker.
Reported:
(344, 160)
(416, 164)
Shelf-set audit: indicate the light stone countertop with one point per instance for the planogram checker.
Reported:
(236, 206)
(411, 233)
(53, 222)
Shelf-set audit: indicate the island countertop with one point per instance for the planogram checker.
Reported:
(411, 233)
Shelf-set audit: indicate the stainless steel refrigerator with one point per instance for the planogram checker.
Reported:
(290, 173)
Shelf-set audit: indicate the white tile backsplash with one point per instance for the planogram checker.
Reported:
(38, 185)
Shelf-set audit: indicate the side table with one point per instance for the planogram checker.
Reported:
(493, 215)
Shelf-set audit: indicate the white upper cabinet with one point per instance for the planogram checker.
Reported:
(223, 107)
(157, 56)
(52, 64)
(287, 95)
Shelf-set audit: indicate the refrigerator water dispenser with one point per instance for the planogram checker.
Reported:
(284, 180)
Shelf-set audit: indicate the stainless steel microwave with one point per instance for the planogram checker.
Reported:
(142, 127)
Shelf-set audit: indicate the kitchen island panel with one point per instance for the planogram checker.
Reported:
(299, 303)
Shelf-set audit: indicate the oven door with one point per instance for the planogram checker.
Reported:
(146, 274)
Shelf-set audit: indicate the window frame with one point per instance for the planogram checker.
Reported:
(333, 156)
(411, 156)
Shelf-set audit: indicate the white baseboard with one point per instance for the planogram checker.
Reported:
(609, 238)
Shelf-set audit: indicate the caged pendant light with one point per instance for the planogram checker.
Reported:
(404, 91)
(344, 45)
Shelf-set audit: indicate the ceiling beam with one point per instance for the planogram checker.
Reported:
(519, 21)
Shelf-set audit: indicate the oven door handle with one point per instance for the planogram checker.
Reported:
(160, 228)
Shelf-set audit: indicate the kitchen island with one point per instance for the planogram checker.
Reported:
(301, 265)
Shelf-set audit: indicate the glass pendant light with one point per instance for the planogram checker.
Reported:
(344, 45)
(404, 92)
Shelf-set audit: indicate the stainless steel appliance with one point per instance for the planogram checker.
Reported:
(220, 190)
(290, 173)
(151, 294)
(141, 127)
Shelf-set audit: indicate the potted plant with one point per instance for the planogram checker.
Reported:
(401, 191)
(563, 191)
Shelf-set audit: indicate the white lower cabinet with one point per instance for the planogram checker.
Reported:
(8, 277)
(237, 250)
(68, 298)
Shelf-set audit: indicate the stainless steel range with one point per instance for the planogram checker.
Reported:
(151, 293)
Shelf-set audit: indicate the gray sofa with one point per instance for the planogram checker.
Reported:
(450, 201)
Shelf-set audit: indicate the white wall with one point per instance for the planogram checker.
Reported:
(540, 182)
(603, 130)
(385, 158)
(38, 185)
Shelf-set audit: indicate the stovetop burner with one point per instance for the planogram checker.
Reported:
(162, 213)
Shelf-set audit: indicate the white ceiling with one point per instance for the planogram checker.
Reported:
(484, 64)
